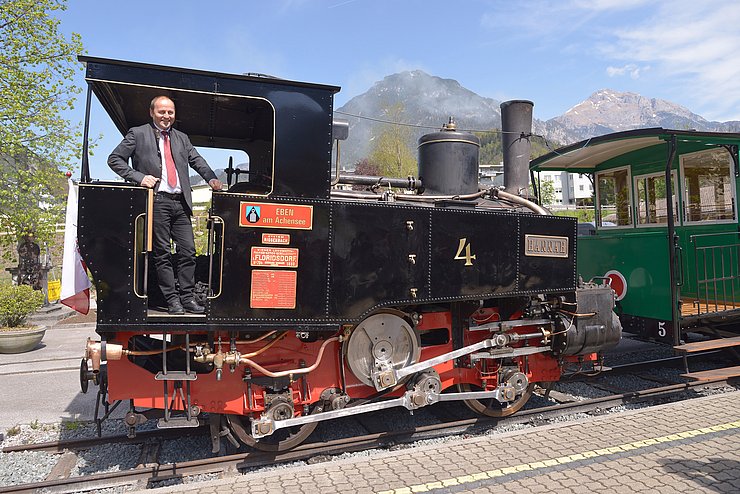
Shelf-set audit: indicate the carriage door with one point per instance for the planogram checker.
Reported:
(709, 234)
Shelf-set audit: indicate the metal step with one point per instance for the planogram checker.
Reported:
(702, 346)
(710, 375)
(177, 422)
(176, 376)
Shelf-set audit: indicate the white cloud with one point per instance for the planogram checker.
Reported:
(692, 49)
(631, 70)
(608, 5)
(696, 44)
(548, 18)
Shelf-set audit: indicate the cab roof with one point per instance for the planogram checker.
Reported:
(211, 106)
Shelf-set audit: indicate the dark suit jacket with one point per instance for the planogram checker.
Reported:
(141, 145)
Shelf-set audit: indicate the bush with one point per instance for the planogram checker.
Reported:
(17, 303)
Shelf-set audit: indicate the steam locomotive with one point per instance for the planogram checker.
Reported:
(324, 302)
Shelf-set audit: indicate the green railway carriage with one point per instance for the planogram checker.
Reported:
(665, 229)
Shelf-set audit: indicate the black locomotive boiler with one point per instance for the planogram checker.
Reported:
(323, 302)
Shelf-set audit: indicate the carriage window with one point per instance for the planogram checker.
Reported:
(652, 206)
(708, 186)
(614, 196)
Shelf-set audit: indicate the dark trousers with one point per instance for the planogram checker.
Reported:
(172, 221)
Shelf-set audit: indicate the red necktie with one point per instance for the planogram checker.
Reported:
(169, 161)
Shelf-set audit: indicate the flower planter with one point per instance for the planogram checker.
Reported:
(21, 340)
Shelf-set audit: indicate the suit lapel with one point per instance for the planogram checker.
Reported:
(151, 141)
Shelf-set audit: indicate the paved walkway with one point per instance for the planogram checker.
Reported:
(44, 384)
(691, 446)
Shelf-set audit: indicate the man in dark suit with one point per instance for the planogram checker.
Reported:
(161, 156)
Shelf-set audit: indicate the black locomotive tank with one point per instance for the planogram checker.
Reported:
(448, 161)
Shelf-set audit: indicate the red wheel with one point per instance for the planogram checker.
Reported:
(280, 440)
(493, 408)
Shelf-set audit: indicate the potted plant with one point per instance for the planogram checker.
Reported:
(16, 304)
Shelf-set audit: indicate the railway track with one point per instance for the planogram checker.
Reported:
(151, 473)
(60, 446)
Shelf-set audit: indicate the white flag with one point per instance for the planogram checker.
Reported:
(75, 283)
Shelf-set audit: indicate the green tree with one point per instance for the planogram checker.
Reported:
(491, 147)
(491, 152)
(390, 149)
(37, 142)
(547, 191)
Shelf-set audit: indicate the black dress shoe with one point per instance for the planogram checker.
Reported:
(175, 308)
(193, 307)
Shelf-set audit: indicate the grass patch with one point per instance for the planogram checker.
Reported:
(72, 425)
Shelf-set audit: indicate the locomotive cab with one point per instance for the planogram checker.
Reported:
(284, 128)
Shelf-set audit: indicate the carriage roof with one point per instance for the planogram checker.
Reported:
(586, 155)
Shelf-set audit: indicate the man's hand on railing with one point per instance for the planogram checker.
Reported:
(149, 181)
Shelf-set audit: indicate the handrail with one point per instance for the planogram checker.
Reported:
(717, 274)
(692, 237)
(211, 251)
(136, 257)
(149, 220)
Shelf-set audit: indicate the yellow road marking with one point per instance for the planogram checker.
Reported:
(500, 472)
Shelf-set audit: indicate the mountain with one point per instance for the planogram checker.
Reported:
(607, 111)
(428, 101)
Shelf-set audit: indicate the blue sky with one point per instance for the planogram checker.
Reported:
(553, 52)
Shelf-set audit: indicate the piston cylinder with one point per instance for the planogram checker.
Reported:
(595, 328)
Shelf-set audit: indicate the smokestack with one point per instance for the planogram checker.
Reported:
(516, 128)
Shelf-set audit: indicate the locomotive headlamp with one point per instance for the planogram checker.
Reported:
(340, 129)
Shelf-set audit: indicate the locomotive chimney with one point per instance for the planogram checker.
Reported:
(516, 128)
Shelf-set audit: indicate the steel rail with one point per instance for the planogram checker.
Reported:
(642, 365)
(61, 445)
